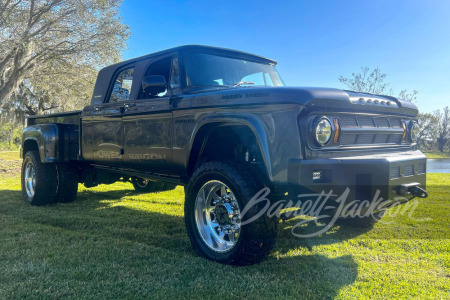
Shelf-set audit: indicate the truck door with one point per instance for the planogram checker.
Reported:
(102, 128)
(147, 120)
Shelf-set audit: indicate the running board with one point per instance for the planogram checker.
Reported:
(144, 175)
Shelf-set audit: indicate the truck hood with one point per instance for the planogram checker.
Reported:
(316, 99)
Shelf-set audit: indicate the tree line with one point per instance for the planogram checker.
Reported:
(50, 52)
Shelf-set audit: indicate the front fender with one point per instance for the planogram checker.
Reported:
(248, 120)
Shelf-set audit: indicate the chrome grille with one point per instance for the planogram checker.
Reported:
(366, 122)
(395, 138)
(381, 138)
(370, 130)
(369, 122)
(348, 122)
(395, 172)
(409, 170)
(348, 139)
(382, 123)
(421, 168)
(365, 138)
(396, 123)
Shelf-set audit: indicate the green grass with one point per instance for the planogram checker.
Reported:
(9, 155)
(114, 244)
(7, 147)
(437, 154)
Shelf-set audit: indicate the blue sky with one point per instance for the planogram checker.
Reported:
(313, 41)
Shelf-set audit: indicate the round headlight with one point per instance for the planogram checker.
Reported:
(414, 132)
(323, 131)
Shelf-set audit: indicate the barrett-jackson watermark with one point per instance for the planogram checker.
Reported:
(327, 207)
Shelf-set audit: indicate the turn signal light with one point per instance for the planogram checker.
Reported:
(404, 131)
(336, 130)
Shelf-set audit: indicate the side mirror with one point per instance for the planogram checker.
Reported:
(152, 81)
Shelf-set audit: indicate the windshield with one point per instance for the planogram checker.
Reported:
(206, 70)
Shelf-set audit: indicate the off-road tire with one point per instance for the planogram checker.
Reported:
(45, 180)
(67, 183)
(257, 238)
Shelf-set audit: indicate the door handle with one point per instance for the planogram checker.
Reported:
(128, 105)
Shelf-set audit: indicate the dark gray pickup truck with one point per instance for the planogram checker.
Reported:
(221, 123)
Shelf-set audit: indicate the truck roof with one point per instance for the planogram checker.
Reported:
(218, 50)
(105, 74)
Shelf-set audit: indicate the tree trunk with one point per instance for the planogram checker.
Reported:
(441, 142)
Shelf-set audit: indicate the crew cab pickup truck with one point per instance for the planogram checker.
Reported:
(222, 124)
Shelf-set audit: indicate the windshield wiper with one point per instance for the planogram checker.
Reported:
(243, 82)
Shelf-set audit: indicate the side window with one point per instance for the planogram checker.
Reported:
(163, 68)
(259, 79)
(268, 79)
(122, 86)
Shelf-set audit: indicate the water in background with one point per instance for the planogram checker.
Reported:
(438, 166)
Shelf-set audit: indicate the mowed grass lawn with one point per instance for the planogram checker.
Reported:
(114, 244)
(438, 155)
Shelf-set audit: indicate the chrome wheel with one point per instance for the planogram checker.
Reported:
(39, 180)
(142, 183)
(30, 180)
(217, 216)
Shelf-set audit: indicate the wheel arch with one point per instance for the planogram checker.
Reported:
(240, 125)
(43, 138)
(30, 144)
